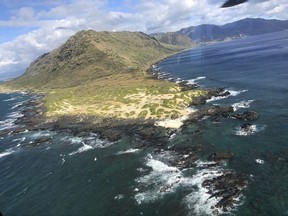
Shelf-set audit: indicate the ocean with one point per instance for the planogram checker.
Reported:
(84, 175)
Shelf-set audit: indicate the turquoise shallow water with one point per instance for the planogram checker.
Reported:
(73, 175)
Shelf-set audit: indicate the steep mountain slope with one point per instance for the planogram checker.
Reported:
(91, 55)
(104, 74)
(174, 39)
(238, 29)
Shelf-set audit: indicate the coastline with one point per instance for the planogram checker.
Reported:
(6, 90)
(146, 132)
(143, 134)
(219, 155)
(34, 117)
(147, 109)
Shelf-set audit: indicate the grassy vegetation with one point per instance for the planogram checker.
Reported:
(104, 73)
(144, 98)
(172, 39)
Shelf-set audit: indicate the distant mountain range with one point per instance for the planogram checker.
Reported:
(239, 29)
(91, 55)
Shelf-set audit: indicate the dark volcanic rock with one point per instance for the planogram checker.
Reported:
(111, 135)
(217, 110)
(246, 116)
(31, 111)
(152, 134)
(39, 141)
(186, 86)
(185, 156)
(199, 100)
(228, 187)
(220, 92)
(184, 150)
(220, 156)
(247, 128)
(186, 161)
(212, 111)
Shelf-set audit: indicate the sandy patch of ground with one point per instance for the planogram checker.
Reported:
(170, 109)
(5, 89)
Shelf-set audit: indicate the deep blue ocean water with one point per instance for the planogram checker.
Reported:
(72, 175)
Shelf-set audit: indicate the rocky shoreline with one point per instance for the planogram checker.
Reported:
(227, 187)
(33, 119)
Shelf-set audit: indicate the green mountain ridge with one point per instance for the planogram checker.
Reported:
(174, 38)
(104, 74)
(91, 55)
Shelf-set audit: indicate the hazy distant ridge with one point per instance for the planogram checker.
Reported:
(242, 28)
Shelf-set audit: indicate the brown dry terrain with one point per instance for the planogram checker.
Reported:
(105, 74)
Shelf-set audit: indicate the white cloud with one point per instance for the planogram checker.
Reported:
(25, 13)
(56, 24)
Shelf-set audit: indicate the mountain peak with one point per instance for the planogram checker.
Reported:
(90, 55)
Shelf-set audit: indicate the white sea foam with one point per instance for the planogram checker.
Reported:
(83, 148)
(18, 104)
(215, 99)
(204, 164)
(21, 139)
(119, 196)
(239, 131)
(7, 152)
(156, 68)
(41, 133)
(193, 81)
(91, 144)
(15, 115)
(259, 161)
(97, 143)
(172, 136)
(242, 105)
(233, 93)
(129, 151)
(6, 124)
(236, 93)
(72, 140)
(9, 123)
(199, 202)
(161, 180)
(10, 99)
(164, 179)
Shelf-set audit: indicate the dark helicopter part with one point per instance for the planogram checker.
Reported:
(231, 3)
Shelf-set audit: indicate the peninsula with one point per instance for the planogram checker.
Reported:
(105, 74)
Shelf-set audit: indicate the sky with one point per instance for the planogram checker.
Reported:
(32, 27)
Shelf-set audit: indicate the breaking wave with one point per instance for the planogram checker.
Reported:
(92, 143)
(129, 151)
(161, 180)
(242, 105)
(7, 152)
(193, 81)
(164, 179)
(233, 93)
(83, 148)
(250, 130)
